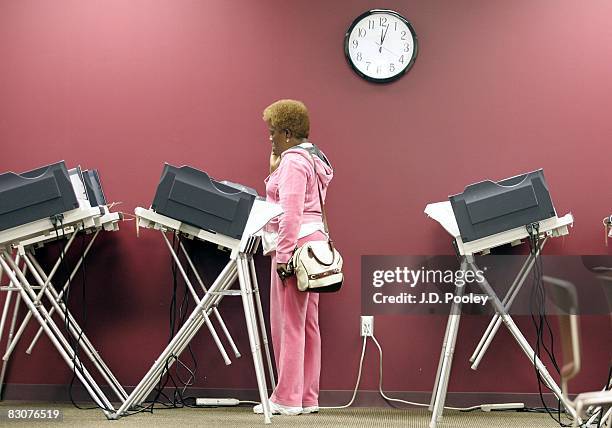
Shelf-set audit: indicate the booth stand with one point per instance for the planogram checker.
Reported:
(445, 214)
(18, 245)
(239, 267)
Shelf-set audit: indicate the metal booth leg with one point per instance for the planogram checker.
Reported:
(7, 302)
(523, 343)
(595, 411)
(438, 397)
(74, 328)
(179, 342)
(251, 322)
(65, 287)
(262, 323)
(12, 288)
(211, 328)
(496, 321)
(185, 334)
(55, 334)
(36, 298)
(214, 309)
(10, 336)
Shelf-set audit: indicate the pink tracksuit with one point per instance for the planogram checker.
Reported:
(294, 315)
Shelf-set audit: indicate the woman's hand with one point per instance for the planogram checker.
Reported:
(274, 162)
(283, 271)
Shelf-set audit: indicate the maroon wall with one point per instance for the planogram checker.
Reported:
(498, 88)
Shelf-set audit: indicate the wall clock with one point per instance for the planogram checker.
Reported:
(380, 45)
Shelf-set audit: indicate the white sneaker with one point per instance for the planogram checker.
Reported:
(310, 409)
(279, 409)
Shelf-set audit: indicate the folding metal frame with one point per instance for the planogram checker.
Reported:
(240, 267)
(43, 300)
(552, 227)
(594, 410)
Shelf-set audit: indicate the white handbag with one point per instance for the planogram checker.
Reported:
(317, 265)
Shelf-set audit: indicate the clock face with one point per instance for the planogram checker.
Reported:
(380, 45)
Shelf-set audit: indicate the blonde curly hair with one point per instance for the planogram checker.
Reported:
(288, 114)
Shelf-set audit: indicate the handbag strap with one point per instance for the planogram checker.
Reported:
(312, 151)
(314, 165)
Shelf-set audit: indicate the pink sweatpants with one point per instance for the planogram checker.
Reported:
(294, 321)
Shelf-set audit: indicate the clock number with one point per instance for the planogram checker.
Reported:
(401, 59)
(359, 56)
(368, 65)
(403, 35)
(370, 24)
(355, 44)
(407, 48)
(362, 32)
(391, 68)
(378, 70)
(383, 21)
(395, 29)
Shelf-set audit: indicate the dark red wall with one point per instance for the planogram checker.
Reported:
(498, 88)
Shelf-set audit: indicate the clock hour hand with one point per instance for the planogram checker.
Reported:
(383, 35)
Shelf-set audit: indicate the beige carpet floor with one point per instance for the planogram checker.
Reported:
(237, 417)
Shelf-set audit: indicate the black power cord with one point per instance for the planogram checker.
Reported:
(538, 316)
(177, 313)
(542, 325)
(179, 400)
(58, 220)
(84, 315)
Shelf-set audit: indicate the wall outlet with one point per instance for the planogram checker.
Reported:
(367, 325)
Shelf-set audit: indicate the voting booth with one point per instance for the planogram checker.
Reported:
(36, 194)
(38, 207)
(191, 196)
(486, 215)
(188, 203)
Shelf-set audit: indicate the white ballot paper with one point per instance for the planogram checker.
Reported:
(442, 212)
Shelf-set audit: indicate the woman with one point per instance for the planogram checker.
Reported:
(294, 315)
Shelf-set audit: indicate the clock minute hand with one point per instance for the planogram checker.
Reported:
(382, 39)
(381, 47)
(388, 50)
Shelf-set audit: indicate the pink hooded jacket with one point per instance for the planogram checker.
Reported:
(293, 186)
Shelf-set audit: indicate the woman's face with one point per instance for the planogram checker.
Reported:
(277, 138)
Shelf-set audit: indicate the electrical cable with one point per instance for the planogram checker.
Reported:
(541, 324)
(180, 386)
(65, 298)
(380, 380)
(163, 379)
(380, 389)
(84, 314)
(178, 400)
(183, 311)
(540, 320)
(363, 348)
(74, 342)
(463, 409)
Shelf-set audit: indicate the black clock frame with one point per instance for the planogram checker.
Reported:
(365, 76)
